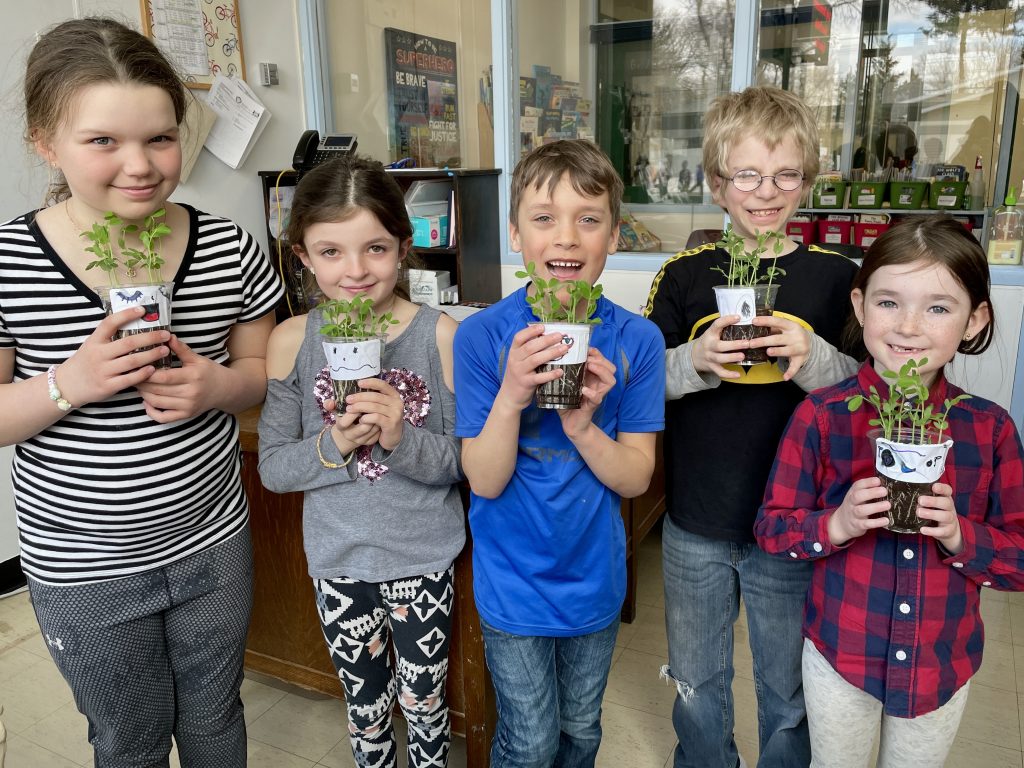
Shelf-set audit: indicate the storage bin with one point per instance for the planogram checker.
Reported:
(908, 195)
(834, 231)
(828, 194)
(864, 234)
(947, 194)
(867, 194)
(800, 231)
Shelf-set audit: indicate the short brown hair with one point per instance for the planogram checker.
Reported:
(589, 170)
(768, 113)
(936, 239)
(79, 53)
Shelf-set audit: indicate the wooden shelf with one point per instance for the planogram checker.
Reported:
(475, 260)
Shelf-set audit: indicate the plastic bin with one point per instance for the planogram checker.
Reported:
(834, 231)
(867, 194)
(828, 194)
(908, 195)
(947, 194)
(801, 231)
(864, 234)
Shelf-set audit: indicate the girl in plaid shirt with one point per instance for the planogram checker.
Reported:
(892, 625)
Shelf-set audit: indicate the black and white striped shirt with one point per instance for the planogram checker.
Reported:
(106, 491)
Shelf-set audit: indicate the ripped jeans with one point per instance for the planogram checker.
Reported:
(703, 582)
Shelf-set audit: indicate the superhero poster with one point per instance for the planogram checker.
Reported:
(423, 106)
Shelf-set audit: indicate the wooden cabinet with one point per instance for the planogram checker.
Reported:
(640, 515)
(285, 640)
(474, 261)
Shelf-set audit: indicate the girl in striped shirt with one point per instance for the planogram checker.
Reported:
(126, 477)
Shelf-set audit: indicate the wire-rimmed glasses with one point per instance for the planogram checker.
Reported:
(748, 181)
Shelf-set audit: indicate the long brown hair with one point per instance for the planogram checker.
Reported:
(936, 239)
(81, 52)
(339, 189)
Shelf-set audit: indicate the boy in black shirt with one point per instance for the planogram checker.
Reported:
(760, 156)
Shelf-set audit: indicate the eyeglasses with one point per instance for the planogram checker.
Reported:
(748, 181)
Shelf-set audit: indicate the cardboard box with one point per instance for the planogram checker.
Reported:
(426, 285)
(430, 231)
(428, 203)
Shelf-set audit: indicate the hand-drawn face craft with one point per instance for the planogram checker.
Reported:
(350, 360)
(911, 463)
(575, 337)
(737, 301)
(155, 299)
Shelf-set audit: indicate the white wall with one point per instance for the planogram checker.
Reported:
(355, 40)
(269, 33)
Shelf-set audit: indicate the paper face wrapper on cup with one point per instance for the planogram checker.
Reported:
(155, 299)
(737, 301)
(576, 337)
(354, 358)
(910, 463)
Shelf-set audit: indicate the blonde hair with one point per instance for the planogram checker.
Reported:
(763, 111)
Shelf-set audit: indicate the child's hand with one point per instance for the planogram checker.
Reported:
(709, 353)
(348, 433)
(531, 348)
(381, 406)
(789, 339)
(171, 394)
(597, 381)
(862, 510)
(102, 367)
(940, 508)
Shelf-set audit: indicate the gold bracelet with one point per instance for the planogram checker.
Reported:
(327, 462)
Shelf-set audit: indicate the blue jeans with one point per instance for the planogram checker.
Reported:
(548, 692)
(703, 582)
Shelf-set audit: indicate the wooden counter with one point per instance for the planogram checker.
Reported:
(285, 639)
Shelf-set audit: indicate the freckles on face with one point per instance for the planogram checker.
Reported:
(913, 311)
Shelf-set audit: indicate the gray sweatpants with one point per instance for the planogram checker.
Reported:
(845, 723)
(155, 655)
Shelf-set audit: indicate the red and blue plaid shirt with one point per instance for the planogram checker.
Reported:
(895, 614)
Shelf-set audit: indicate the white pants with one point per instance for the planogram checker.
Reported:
(844, 723)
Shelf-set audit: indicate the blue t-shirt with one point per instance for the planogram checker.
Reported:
(549, 553)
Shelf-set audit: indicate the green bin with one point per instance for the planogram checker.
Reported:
(828, 194)
(947, 193)
(867, 194)
(908, 195)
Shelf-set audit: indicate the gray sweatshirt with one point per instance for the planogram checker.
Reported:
(409, 521)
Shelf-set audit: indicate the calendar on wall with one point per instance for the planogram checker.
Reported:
(202, 38)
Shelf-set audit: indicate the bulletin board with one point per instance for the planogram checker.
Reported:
(202, 38)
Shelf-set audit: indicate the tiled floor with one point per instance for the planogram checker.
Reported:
(291, 728)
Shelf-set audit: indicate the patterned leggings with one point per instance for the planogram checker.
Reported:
(358, 619)
(156, 654)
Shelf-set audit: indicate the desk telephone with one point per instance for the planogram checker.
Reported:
(313, 150)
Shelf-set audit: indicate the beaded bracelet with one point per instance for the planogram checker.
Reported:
(55, 395)
(327, 462)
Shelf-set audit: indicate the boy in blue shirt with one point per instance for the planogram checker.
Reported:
(549, 544)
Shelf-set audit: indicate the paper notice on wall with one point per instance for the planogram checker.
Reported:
(241, 118)
(178, 30)
(199, 119)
